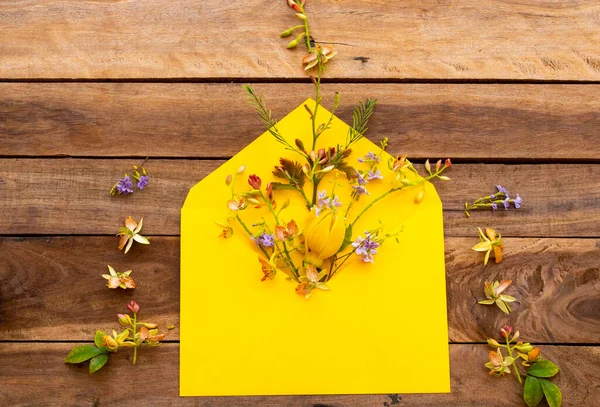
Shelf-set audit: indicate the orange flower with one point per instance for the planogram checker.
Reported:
(285, 233)
(268, 268)
(130, 232)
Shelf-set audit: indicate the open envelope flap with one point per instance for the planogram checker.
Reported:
(380, 329)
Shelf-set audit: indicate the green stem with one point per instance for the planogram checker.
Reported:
(134, 340)
(510, 353)
(237, 216)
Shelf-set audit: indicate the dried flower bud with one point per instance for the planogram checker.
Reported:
(308, 109)
(228, 180)
(299, 144)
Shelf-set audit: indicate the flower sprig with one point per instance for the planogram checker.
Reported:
(119, 279)
(488, 242)
(130, 233)
(124, 186)
(538, 370)
(134, 335)
(494, 201)
(493, 294)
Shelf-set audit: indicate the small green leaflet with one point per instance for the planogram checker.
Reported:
(532, 394)
(552, 393)
(97, 362)
(82, 353)
(543, 368)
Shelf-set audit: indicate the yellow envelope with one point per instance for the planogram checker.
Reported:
(381, 328)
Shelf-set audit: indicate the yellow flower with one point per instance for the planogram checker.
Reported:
(323, 237)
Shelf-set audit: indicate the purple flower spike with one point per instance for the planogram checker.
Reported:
(371, 156)
(142, 182)
(124, 186)
(500, 189)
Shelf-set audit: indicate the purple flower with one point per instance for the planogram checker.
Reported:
(500, 189)
(124, 186)
(361, 190)
(322, 201)
(371, 156)
(365, 248)
(518, 201)
(506, 203)
(494, 206)
(335, 203)
(374, 175)
(142, 182)
(492, 196)
(360, 178)
(265, 240)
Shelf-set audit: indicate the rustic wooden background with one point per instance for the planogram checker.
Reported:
(509, 89)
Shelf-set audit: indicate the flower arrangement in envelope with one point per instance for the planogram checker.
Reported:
(312, 262)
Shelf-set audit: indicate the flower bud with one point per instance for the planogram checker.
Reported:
(525, 348)
(506, 331)
(438, 165)
(306, 170)
(254, 181)
(293, 5)
(323, 236)
(124, 319)
(133, 307)
(287, 33)
(448, 163)
(444, 178)
(110, 343)
(294, 43)
(228, 180)
(428, 166)
(241, 169)
(328, 169)
(301, 16)
(493, 342)
(299, 144)
(406, 182)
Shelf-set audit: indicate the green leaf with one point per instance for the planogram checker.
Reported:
(97, 362)
(532, 394)
(543, 368)
(82, 353)
(487, 302)
(98, 339)
(552, 393)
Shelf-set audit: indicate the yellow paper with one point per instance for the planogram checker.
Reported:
(381, 328)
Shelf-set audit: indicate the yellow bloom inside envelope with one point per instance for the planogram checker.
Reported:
(381, 328)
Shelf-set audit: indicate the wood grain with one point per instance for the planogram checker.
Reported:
(52, 289)
(35, 375)
(472, 39)
(70, 196)
(489, 122)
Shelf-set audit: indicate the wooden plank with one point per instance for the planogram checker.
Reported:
(52, 289)
(490, 122)
(35, 375)
(70, 196)
(473, 39)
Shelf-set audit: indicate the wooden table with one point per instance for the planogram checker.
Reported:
(510, 90)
